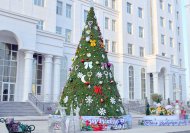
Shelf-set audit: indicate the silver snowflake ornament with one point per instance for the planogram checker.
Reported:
(102, 111)
(99, 75)
(112, 100)
(89, 100)
(79, 75)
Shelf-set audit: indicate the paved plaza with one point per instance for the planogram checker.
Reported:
(41, 124)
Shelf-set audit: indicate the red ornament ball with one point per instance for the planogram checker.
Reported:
(82, 60)
(87, 83)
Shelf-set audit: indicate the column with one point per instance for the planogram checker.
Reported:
(167, 86)
(28, 63)
(56, 77)
(48, 78)
(155, 78)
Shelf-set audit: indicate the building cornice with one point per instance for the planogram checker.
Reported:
(18, 16)
(50, 35)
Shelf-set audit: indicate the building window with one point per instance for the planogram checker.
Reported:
(129, 7)
(179, 47)
(161, 4)
(177, 15)
(170, 24)
(113, 4)
(68, 11)
(58, 30)
(40, 25)
(37, 74)
(106, 44)
(129, 28)
(59, 8)
(140, 12)
(106, 23)
(131, 83)
(161, 21)
(113, 47)
(180, 87)
(143, 84)
(163, 39)
(178, 31)
(163, 54)
(106, 3)
(151, 84)
(39, 2)
(8, 71)
(180, 63)
(141, 52)
(67, 35)
(113, 25)
(171, 42)
(130, 49)
(174, 86)
(141, 32)
(172, 59)
(85, 15)
(169, 8)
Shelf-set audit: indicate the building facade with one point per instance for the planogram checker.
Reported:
(38, 38)
(187, 18)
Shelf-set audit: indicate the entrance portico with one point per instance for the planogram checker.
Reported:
(30, 60)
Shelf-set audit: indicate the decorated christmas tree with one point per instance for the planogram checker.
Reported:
(91, 85)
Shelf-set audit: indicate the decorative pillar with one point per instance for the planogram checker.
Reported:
(56, 78)
(28, 61)
(48, 78)
(167, 86)
(155, 78)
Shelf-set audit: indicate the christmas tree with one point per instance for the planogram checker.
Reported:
(91, 85)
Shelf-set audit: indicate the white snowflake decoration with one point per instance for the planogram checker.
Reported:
(99, 75)
(66, 99)
(88, 54)
(89, 100)
(79, 75)
(102, 111)
(112, 100)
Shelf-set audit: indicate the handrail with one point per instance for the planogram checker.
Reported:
(36, 102)
(45, 107)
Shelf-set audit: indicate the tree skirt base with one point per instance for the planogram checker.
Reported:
(105, 123)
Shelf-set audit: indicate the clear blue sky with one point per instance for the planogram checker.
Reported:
(184, 26)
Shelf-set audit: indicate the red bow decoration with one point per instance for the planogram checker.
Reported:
(98, 89)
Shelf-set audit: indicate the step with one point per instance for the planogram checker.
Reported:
(17, 109)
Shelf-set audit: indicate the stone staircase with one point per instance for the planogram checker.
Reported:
(17, 109)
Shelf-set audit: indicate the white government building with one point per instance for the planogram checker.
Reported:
(187, 18)
(144, 41)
